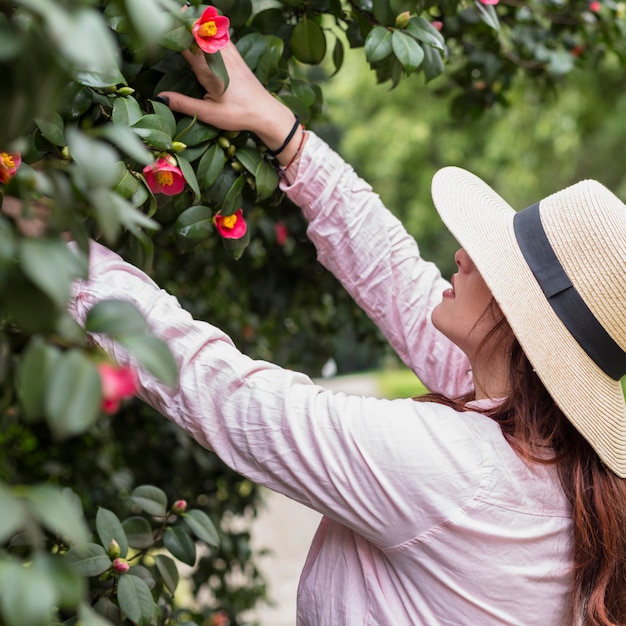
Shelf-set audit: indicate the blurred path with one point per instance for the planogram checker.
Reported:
(286, 529)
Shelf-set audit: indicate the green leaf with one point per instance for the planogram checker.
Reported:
(73, 394)
(127, 141)
(378, 44)
(423, 30)
(165, 115)
(433, 63)
(36, 365)
(232, 200)
(267, 180)
(127, 184)
(153, 354)
(249, 158)
(216, 65)
(58, 512)
(179, 543)
(211, 165)
(95, 160)
(144, 573)
(138, 532)
(304, 92)
(202, 526)
(193, 132)
(52, 129)
(236, 247)
(104, 613)
(338, 56)
(190, 176)
(69, 585)
(177, 39)
(114, 317)
(150, 21)
(196, 222)
(382, 12)
(113, 212)
(126, 111)
(407, 51)
(52, 266)
(168, 572)
(88, 44)
(252, 47)
(28, 596)
(107, 213)
(13, 514)
(150, 128)
(91, 617)
(308, 42)
(488, 15)
(135, 599)
(151, 499)
(109, 527)
(89, 559)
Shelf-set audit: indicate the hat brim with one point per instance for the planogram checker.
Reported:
(482, 222)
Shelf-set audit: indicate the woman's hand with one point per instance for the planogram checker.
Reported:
(245, 105)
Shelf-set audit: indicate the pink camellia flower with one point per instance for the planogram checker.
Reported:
(211, 30)
(117, 383)
(437, 24)
(180, 506)
(281, 233)
(231, 226)
(595, 6)
(121, 565)
(164, 176)
(220, 619)
(489, 1)
(9, 162)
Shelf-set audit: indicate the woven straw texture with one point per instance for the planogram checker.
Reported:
(586, 227)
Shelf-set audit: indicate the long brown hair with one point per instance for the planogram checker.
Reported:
(539, 432)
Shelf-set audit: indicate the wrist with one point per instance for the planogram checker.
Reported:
(279, 130)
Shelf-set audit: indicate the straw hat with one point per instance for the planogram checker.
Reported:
(558, 271)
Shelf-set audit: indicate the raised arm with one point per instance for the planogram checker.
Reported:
(357, 239)
(326, 450)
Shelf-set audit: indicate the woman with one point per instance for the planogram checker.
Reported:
(497, 499)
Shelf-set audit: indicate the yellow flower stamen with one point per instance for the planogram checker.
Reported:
(164, 178)
(208, 29)
(229, 221)
(7, 160)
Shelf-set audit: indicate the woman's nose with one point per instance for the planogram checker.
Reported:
(462, 260)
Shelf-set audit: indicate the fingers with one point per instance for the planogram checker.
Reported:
(187, 105)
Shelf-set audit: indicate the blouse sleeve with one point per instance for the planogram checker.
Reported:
(346, 457)
(366, 247)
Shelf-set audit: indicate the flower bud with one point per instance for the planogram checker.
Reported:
(125, 91)
(121, 565)
(178, 146)
(180, 506)
(231, 150)
(223, 142)
(237, 166)
(65, 153)
(114, 549)
(402, 19)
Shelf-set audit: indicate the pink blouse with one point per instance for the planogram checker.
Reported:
(430, 518)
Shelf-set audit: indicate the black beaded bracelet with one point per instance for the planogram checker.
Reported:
(292, 132)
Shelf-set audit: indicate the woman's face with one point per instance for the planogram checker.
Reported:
(464, 313)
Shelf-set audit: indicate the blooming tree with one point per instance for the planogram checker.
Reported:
(88, 151)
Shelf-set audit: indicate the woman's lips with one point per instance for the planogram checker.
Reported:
(449, 292)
